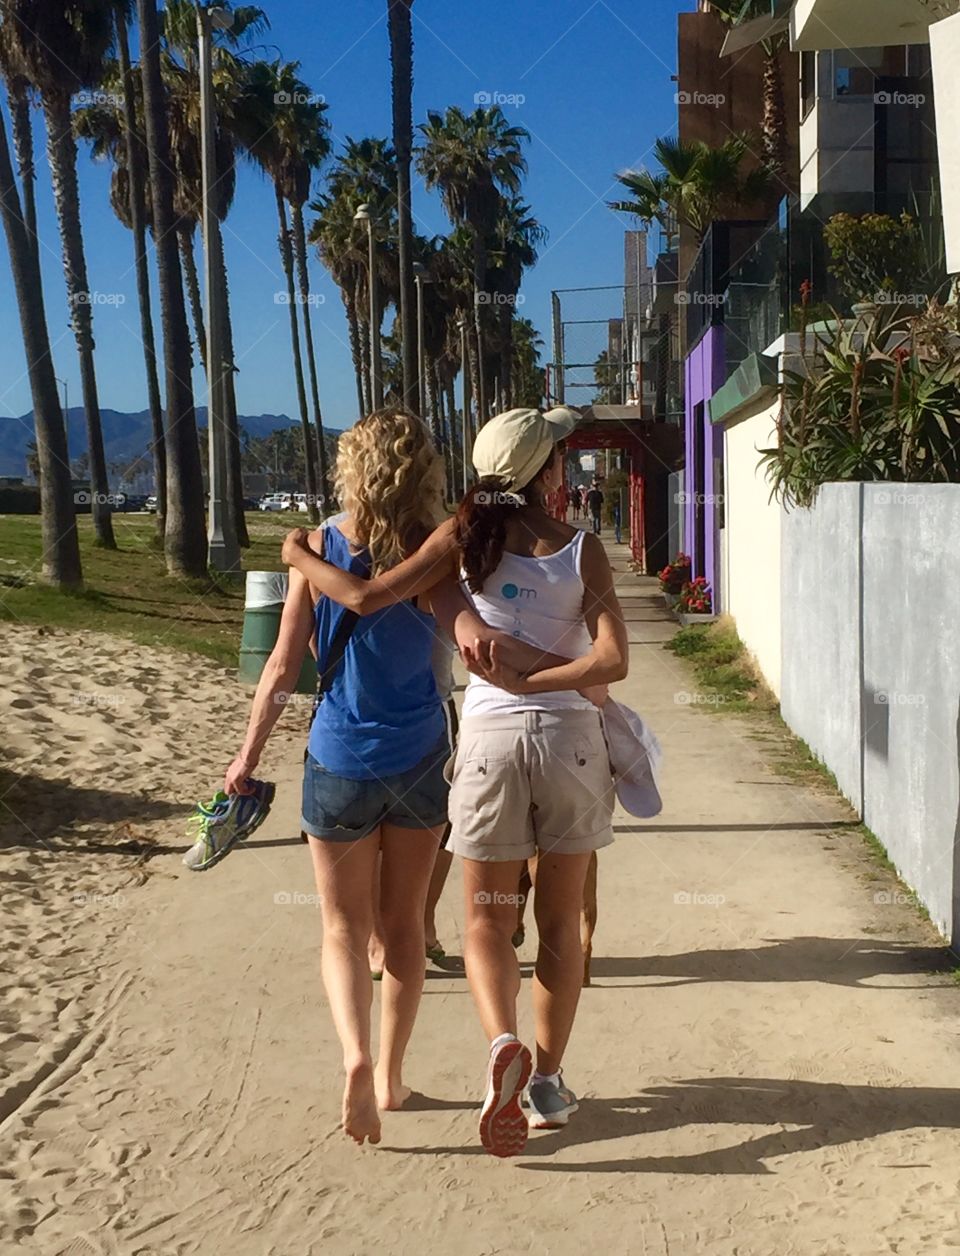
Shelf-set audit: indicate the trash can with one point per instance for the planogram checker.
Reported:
(266, 593)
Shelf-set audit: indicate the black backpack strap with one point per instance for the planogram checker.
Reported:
(338, 645)
(338, 648)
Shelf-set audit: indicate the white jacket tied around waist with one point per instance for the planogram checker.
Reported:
(540, 601)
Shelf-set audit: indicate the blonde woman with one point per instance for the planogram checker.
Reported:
(373, 785)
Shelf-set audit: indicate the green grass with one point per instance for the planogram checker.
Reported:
(128, 592)
(722, 667)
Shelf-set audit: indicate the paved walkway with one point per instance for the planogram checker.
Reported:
(767, 1066)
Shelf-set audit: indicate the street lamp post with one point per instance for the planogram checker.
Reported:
(466, 442)
(223, 549)
(364, 215)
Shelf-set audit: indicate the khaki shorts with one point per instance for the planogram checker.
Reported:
(529, 781)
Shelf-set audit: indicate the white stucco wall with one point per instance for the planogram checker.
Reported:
(945, 51)
(751, 541)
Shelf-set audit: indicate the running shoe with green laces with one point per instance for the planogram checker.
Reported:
(551, 1104)
(216, 826)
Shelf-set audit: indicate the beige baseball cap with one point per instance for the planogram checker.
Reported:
(514, 446)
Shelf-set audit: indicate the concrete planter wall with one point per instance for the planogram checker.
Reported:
(871, 666)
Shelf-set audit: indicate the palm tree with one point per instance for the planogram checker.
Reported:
(774, 125)
(471, 159)
(284, 112)
(18, 96)
(136, 161)
(184, 536)
(513, 250)
(696, 184)
(364, 173)
(61, 549)
(527, 383)
(60, 47)
(401, 62)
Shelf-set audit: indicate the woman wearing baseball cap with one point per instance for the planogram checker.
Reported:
(531, 778)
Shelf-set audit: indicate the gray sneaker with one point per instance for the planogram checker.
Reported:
(550, 1105)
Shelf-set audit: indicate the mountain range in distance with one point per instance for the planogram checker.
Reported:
(125, 436)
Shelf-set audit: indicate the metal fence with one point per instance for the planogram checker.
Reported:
(611, 348)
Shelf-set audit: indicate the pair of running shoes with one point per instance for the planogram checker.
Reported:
(503, 1124)
(216, 826)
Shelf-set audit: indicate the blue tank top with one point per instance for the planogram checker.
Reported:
(382, 714)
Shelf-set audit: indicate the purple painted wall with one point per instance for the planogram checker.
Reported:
(705, 372)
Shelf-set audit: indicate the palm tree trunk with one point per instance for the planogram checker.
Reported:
(356, 352)
(286, 256)
(234, 457)
(456, 444)
(401, 61)
(474, 421)
(363, 327)
(22, 126)
(188, 259)
(774, 112)
(303, 275)
(185, 541)
(61, 548)
(136, 169)
(505, 315)
(62, 155)
(479, 275)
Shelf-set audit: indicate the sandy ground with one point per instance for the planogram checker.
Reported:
(766, 1062)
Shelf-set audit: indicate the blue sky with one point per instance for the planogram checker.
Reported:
(595, 76)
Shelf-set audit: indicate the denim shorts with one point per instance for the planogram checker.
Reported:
(336, 809)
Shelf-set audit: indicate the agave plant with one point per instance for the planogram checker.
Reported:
(875, 401)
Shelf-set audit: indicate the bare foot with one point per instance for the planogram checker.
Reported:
(391, 1095)
(360, 1116)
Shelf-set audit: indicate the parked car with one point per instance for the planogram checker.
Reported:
(276, 501)
(150, 506)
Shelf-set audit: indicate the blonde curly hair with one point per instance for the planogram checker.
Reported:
(390, 478)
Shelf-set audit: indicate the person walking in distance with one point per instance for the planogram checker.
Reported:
(595, 506)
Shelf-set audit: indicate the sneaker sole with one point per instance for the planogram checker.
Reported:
(269, 794)
(555, 1122)
(503, 1127)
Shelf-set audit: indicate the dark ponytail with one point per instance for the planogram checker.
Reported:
(481, 529)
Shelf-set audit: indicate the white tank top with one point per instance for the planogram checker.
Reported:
(539, 600)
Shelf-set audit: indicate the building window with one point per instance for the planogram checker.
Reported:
(808, 83)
